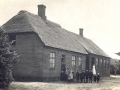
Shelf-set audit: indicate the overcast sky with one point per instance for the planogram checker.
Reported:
(100, 19)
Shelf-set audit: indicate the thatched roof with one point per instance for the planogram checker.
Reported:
(89, 45)
(51, 34)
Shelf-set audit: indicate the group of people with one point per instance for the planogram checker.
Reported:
(87, 77)
(82, 77)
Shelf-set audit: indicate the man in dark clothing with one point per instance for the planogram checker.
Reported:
(62, 75)
(86, 76)
(98, 77)
(82, 76)
(95, 78)
(77, 76)
(90, 76)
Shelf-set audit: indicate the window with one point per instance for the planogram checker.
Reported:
(80, 62)
(52, 60)
(73, 60)
(12, 38)
(96, 62)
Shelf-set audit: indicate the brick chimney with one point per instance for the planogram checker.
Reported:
(81, 32)
(41, 11)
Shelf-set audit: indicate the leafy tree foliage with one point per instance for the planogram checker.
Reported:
(7, 59)
(118, 53)
(115, 69)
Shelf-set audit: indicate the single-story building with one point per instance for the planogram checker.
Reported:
(45, 48)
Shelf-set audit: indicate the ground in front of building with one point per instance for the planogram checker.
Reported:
(109, 83)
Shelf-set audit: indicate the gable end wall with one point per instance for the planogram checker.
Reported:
(29, 47)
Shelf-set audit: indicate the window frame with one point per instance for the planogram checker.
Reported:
(52, 60)
(73, 60)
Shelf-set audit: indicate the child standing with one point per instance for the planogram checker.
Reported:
(98, 77)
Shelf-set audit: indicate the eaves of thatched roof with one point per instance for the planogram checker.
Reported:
(50, 33)
(89, 45)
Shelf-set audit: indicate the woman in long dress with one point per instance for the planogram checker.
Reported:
(94, 73)
(70, 76)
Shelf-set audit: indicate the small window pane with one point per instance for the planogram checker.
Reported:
(53, 55)
(50, 54)
(80, 59)
(72, 58)
(53, 60)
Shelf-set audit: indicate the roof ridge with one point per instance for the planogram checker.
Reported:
(53, 22)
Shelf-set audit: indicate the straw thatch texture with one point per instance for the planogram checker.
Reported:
(50, 33)
(89, 45)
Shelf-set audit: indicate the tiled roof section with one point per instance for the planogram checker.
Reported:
(50, 33)
(89, 45)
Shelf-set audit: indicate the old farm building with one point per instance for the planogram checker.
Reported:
(45, 48)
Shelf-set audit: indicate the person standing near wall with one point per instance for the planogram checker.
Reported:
(80, 76)
(83, 76)
(98, 77)
(70, 76)
(90, 76)
(86, 76)
(62, 76)
(94, 73)
(77, 76)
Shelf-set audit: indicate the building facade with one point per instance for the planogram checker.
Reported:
(45, 48)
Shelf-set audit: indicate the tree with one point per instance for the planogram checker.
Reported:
(118, 53)
(7, 59)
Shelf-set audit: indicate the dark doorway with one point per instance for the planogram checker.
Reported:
(92, 62)
(64, 69)
(63, 63)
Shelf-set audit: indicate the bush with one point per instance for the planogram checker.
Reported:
(7, 59)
